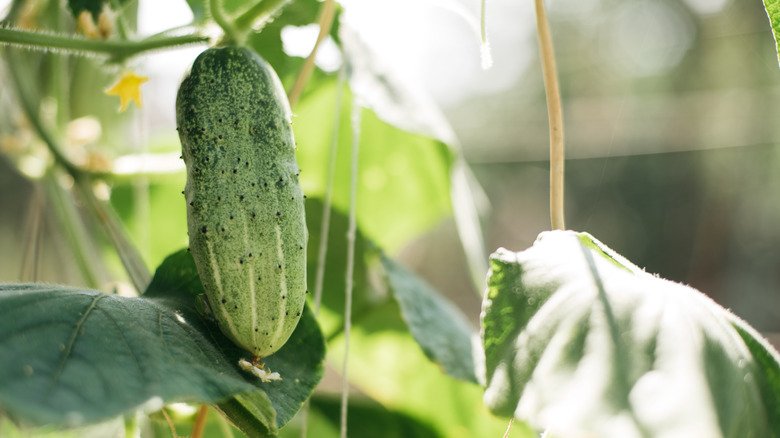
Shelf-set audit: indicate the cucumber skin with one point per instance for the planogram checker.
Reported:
(245, 207)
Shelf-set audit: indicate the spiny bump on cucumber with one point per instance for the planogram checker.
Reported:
(234, 124)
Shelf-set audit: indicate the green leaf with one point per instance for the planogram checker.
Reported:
(70, 356)
(773, 12)
(580, 341)
(438, 326)
(299, 361)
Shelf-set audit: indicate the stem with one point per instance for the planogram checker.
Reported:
(260, 12)
(351, 235)
(24, 93)
(218, 14)
(326, 15)
(555, 114)
(118, 50)
(136, 269)
(509, 427)
(170, 423)
(200, 422)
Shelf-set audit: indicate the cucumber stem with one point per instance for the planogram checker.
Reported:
(117, 50)
(260, 13)
(232, 33)
(555, 116)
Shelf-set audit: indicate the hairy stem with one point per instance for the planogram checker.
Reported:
(118, 50)
(326, 15)
(555, 115)
(218, 14)
(260, 13)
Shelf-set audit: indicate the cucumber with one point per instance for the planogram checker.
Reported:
(245, 206)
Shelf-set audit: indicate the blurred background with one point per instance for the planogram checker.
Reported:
(670, 110)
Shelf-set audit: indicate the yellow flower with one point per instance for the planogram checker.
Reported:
(128, 88)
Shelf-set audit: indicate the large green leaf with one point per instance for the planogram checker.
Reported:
(773, 12)
(580, 341)
(70, 356)
(438, 326)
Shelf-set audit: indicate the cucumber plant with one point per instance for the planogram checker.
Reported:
(245, 212)
(575, 339)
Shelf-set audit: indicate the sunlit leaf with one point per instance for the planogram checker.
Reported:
(583, 343)
(70, 356)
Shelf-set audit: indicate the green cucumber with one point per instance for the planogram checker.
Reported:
(245, 212)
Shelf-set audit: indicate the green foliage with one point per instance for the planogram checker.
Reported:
(74, 356)
(580, 341)
(575, 337)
